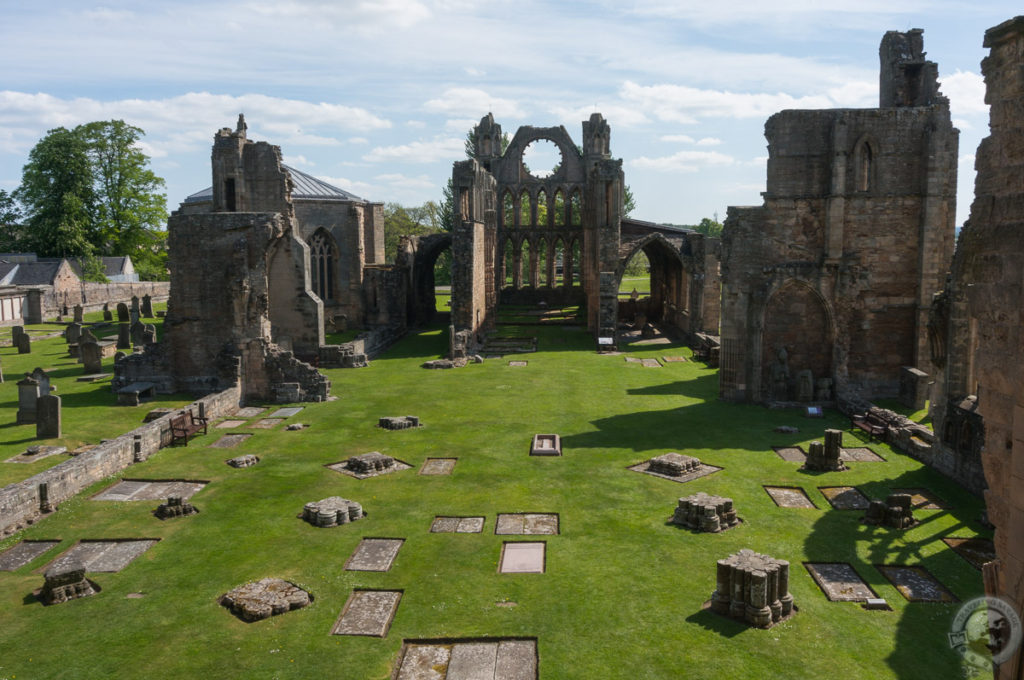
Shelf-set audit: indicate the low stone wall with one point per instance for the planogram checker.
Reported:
(20, 503)
(45, 302)
(366, 346)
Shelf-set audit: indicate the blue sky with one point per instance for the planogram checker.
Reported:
(376, 96)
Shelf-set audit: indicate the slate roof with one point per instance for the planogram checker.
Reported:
(112, 266)
(36, 273)
(304, 187)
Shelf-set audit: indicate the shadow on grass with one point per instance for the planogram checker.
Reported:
(708, 620)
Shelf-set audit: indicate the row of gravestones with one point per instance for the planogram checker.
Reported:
(140, 309)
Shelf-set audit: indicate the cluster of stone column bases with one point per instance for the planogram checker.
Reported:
(825, 457)
(175, 506)
(704, 512)
(754, 588)
(332, 512)
(265, 598)
(66, 581)
(896, 511)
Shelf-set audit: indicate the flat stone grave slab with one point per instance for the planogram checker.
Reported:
(859, 454)
(845, 497)
(674, 360)
(546, 445)
(105, 555)
(249, 411)
(225, 424)
(650, 363)
(286, 412)
(368, 612)
(924, 499)
(438, 466)
(789, 497)
(267, 423)
(500, 659)
(703, 470)
(634, 360)
(522, 558)
(34, 453)
(457, 525)
(977, 551)
(20, 554)
(94, 377)
(150, 489)
(374, 554)
(916, 583)
(793, 454)
(527, 523)
(230, 441)
(518, 363)
(839, 581)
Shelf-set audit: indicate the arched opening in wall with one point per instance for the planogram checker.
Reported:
(525, 212)
(577, 265)
(524, 264)
(431, 278)
(542, 263)
(558, 208)
(508, 210)
(322, 262)
(510, 270)
(796, 346)
(541, 158)
(558, 253)
(542, 208)
(863, 164)
(576, 212)
(443, 280)
(651, 288)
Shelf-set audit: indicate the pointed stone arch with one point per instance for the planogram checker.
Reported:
(799, 320)
(323, 261)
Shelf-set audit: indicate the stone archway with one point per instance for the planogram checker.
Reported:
(797, 320)
(422, 302)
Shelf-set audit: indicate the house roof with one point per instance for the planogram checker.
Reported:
(36, 273)
(112, 266)
(304, 188)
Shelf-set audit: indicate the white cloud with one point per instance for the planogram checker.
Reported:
(709, 141)
(618, 114)
(416, 124)
(405, 182)
(684, 161)
(966, 92)
(683, 139)
(468, 99)
(460, 125)
(365, 15)
(683, 104)
(299, 160)
(438, 149)
(475, 72)
(361, 189)
(358, 140)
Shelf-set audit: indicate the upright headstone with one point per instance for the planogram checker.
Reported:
(72, 333)
(804, 386)
(107, 316)
(43, 378)
(136, 311)
(122, 312)
(24, 344)
(28, 395)
(87, 336)
(92, 357)
(48, 417)
(15, 332)
(149, 334)
(124, 338)
(147, 306)
(78, 314)
(137, 329)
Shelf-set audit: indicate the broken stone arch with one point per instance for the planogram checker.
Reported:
(427, 250)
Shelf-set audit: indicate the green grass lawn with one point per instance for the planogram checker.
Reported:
(642, 284)
(623, 592)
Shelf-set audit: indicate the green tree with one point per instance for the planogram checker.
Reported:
(470, 144)
(57, 194)
(709, 227)
(628, 202)
(403, 221)
(131, 208)
(11, 232)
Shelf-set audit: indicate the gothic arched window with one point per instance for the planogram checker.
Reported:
(322, 261)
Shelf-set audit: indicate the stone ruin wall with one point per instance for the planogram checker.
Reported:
(855, 235)
(45, 302)
(985, 341)
(474, 294)
(20, 502)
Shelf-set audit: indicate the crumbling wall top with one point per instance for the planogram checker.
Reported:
(906, 78)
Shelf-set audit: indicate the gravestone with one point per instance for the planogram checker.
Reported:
(147, 306)
(24, 344)
(28, 395)
(43, 378)
(122, 312)
(48, 417)
(92, 357)
(754, 588)
(78, 314)
(87, 336)
(73, 332)
(137, 329)
(149, 334)
(118, 356)
(15, 332)
(124, 340)
(135, 310)
(107, 316)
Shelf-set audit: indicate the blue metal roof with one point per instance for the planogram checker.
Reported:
(304, 187)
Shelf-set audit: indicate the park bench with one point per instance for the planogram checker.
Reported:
(184, 425)
(876, 426)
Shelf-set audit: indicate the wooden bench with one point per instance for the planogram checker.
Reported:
(876, 427)
(184, 425)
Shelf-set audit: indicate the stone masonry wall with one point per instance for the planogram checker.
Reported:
(19, 502)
